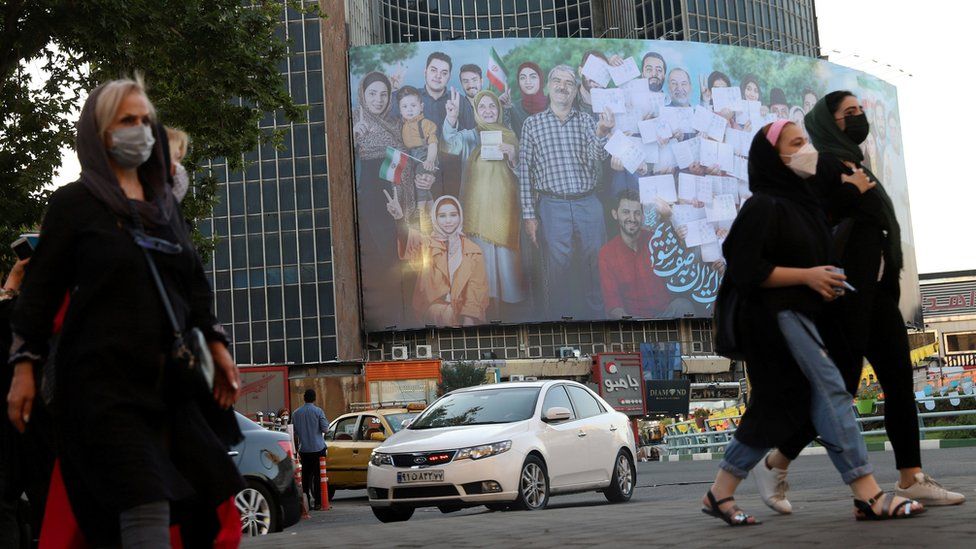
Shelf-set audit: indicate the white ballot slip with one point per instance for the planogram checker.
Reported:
(615, 99)
(711, 252)
(703, 190)
(709, 153)
(625, 72)
(716, 128)
(665, 158)
(685, 152)
(744, 192)
(740, 141)
(700, 232)
(729, 185)
(702, 119)
(629, 150)
(741, 170)
(726, 158)
(722, 209)
(680, 118)
(687, 186)
(652, 153)
(727, 98)
(654, 129)
(596, 70)
(657, 186)
(626, 122)
(491, 145)
(683, 214)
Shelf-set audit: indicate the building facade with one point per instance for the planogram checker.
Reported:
(285, 268)
(949, 309)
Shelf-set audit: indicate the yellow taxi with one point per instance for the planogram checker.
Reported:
(353, 436)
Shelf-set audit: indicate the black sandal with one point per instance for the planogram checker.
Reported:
(864, 510)
(733, 517)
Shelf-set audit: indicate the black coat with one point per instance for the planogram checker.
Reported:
(126, 436)
(782, 225)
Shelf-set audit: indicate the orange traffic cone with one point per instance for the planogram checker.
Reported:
(325, 483)
(298, 482)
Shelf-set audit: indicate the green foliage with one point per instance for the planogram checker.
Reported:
(211, 66)
(547, 53)
(377, 58)
(790, 73)
(460, 375)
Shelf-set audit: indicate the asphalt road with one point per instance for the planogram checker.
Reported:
(664, 511)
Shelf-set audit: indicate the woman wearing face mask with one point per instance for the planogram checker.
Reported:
(869, 236)
(489, 195)
(137, 447)
(452, 286)
(778, 255)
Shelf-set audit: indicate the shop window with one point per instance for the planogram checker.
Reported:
(963, 342)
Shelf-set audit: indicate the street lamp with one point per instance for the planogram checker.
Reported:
(608, 30)
(542, 29)
(636, 29)
(578, 30)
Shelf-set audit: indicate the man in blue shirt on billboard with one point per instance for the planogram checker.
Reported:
(310, 426)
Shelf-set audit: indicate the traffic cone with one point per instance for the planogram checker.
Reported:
(325, 483)
(298, 482)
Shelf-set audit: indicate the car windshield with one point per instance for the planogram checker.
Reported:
(480, 408)
(396, 421)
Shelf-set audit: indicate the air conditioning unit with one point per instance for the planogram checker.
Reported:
(374, 355)
(425, 351)
(399, 352)
(569, 352)
(697, 347)
(516, 377)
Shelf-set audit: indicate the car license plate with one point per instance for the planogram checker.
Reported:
(430, 475)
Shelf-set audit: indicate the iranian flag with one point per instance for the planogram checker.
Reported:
(497, 78)
(392, 167)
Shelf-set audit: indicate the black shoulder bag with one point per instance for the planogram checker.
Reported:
(190, 355)
(725, 321)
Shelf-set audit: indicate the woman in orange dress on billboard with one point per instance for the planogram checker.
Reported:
(452, 286)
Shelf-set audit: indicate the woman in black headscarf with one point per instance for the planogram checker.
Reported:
(778, 254)
(138, 447)
(868, 240)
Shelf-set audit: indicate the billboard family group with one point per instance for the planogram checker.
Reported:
(533, 180)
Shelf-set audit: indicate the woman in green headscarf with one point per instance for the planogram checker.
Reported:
(867, 240)
(489, 192)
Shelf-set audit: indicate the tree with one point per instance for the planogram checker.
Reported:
(791, 73)
(211, 66)
(460, 375)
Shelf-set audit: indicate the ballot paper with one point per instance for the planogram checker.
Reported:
(744, 192)
(722, 208)
(711, 252)
(596, 69)
(751, 113)
(709, 153)
(688, 186)
(726, 157)
(626, 122)
(615, 99)
(700, 232)
(657, 186)
(727, 98)
(652, 153)
(703, 190)
(665, 158)
(740, 141)
(716, 128)
(702, 119)
(680, 118)
(741, 169)
(629, 150)
(491, 145)
(654, 130)
(625, 72)
(683, 214)
(685, 152)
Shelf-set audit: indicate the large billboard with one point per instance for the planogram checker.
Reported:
(533, 180)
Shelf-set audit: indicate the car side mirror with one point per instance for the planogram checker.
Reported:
(557, 413)
(379, 437)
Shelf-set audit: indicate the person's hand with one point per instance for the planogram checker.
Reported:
(823, 280)
(662, 207)
(721, 233)
(16, 275)
(643, 169)
(359, 128)
(695, 203)
(423, 181)
(677, 134)
(606, 123)
(506, 98)
(532, 229)
(719, 266)
(396, 79)
(681, 231)
(615, 60)
(616, 164)
(508, 150)
(20, 398)
(227, 378)
(860, 180)
(452, 107)
(430, 164)
(727, 114)
(393, 205)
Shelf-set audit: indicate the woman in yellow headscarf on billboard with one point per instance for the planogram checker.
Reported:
(489, 192)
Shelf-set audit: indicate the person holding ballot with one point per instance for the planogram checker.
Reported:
(779, 264)
(489, 192)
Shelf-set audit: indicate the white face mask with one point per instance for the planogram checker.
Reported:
(804, 161)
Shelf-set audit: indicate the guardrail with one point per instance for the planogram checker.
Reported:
(715, 435)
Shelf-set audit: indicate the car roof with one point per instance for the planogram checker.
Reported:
(381, 411)
(517, 384)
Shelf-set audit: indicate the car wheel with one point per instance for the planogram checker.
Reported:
(392, 514)
(533, 485)
(623, 479)
(498, 506)
(259, 514)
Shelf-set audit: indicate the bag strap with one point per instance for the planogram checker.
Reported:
(167, 305)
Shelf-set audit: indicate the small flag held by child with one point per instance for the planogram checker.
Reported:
(392, 167)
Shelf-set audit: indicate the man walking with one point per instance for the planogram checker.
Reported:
(310, 426)
(562, 151)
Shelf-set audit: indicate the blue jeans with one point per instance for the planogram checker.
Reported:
(830, 406)
(572, 231)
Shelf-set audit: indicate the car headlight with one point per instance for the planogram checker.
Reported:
(381, 459)
(483, 451)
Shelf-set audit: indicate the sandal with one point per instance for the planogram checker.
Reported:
(732, 517)
(864, 510)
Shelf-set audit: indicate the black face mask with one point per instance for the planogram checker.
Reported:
(856, 127)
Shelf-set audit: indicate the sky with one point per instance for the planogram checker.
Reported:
(870, 35)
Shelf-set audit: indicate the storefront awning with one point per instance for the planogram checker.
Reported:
(705, 365)
(550, 368)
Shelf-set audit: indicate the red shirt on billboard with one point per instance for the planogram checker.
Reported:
(630, 287)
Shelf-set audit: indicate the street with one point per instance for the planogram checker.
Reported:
(665, 512)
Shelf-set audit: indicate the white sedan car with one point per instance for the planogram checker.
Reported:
(504, 445)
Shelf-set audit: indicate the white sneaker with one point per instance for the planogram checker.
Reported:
(773, 487)
(928, 492)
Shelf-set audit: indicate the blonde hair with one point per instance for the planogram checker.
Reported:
(113, 92)
(179, 142)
